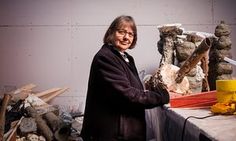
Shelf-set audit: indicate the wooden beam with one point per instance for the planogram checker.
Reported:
(49, 91)
(47, 98)
(192, 61)
(5, 101)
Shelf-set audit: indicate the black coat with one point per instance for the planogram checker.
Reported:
(116, 100)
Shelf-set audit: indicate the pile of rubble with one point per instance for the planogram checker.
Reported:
(27, 116)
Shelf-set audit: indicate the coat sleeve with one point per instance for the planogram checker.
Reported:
(118, 85)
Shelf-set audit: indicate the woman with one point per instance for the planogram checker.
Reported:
(116, 100)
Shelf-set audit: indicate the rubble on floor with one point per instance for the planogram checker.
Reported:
(26, 116)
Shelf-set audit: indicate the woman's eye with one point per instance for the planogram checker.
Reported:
(131, 34)
(122, 32)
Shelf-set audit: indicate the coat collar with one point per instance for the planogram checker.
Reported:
(131, 63)
(118, 53)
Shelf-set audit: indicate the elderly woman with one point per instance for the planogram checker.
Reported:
(116, 100)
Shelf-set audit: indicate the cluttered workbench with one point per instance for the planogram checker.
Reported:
(207, 116)
(200, 125)
(202, 105)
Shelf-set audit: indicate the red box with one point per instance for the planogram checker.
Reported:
(201, 100)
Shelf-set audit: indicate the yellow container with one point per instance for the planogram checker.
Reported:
(226, 90)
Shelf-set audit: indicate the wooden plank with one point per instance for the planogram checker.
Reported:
(46, 92)
(27, 87)
(12, 131)
(50, 97)
(3, 108)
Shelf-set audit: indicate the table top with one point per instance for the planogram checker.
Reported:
(217, 127)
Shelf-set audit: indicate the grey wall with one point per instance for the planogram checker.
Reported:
(51, 42)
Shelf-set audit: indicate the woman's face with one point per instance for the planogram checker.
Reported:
(124, 38)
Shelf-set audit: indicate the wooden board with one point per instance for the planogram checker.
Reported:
(204, 99)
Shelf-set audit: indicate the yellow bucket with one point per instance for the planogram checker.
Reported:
(226, 90)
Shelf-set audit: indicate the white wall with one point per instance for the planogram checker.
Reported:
(51, 42)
